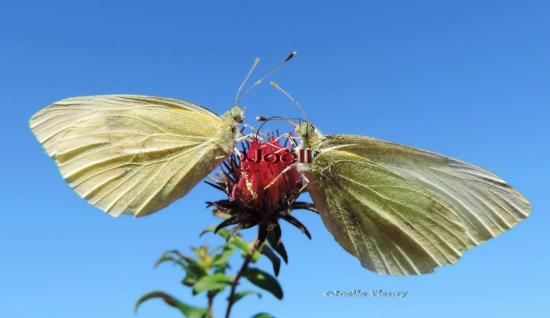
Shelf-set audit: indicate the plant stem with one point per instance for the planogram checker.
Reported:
(210, 304)
(230, 300)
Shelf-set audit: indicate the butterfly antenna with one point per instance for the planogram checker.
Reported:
(277, 87)
(265, 120)
(277, 118)
(237, 97)
(268, 74)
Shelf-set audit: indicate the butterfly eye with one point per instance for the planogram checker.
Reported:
(238, 119)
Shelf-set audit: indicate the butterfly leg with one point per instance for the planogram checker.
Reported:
(280, 175)
(288, 137)
(249, 136)
(302, 189)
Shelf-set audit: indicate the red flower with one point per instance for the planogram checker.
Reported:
(261, 186)
(267, 179)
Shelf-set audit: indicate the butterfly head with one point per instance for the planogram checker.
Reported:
(305, 129)
(230, 131)
(237, 114)
(310, 135)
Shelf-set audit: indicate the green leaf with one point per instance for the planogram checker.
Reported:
(170, 259)
(255, 257)
(178, 255)
(263, 315)
(187, 310)
(235, 240)
(218, 248)
(205, 259)
(239, 243)
(240, 295)
(222, 258)
(194, 273)
(216, 282)
(194, 270)
(222, 232)
(275, 260)
(189, 280)
(265, 281)
(171, 256)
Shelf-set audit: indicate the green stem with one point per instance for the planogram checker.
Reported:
(248, 258)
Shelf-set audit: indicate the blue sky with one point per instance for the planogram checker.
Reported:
(469, 79)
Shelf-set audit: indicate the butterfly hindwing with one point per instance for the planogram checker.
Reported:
(391, 225)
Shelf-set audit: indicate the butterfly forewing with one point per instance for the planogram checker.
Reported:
(128, 153)
(485, 203)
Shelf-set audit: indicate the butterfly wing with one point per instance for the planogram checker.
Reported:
(402, 210)
(131, 154)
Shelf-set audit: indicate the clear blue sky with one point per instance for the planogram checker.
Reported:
(470, 79)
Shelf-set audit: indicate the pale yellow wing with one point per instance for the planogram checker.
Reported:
(405, 211)
(485, 203)
(132, 154)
